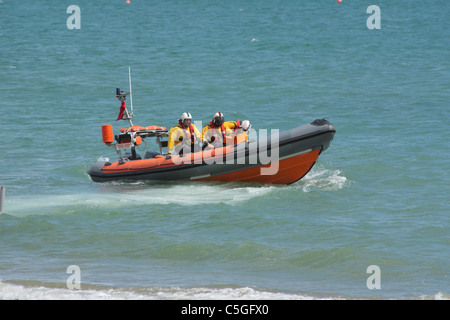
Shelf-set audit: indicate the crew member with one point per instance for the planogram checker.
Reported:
(214, 133)
(238, 127)
(242, 126)
(183, 136)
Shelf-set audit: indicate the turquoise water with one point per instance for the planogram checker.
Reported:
(377, 196)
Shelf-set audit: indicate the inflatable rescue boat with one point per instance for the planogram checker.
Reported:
(277, 158)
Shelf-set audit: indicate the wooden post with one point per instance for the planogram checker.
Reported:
(2, 197)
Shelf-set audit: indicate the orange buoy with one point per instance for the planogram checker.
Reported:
(107, 133)
(138, 140)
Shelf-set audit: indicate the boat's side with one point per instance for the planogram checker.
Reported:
(291, 155)
(288, 170)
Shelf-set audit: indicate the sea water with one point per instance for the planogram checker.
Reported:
(377, 197)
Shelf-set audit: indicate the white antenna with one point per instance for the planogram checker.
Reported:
(131, 94)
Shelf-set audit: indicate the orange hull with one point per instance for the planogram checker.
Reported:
(289, 171)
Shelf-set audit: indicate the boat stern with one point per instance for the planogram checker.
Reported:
(96, 172)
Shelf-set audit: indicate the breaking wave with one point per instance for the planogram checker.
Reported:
(35, 291)
(323, 179)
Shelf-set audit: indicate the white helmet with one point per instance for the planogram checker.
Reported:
(186, 115)
(246, 125)
(218, 118)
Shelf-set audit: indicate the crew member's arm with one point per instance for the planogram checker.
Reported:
(172, 138)
(205, 133)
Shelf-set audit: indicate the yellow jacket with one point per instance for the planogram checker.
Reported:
(180, 134)
(220, 132)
